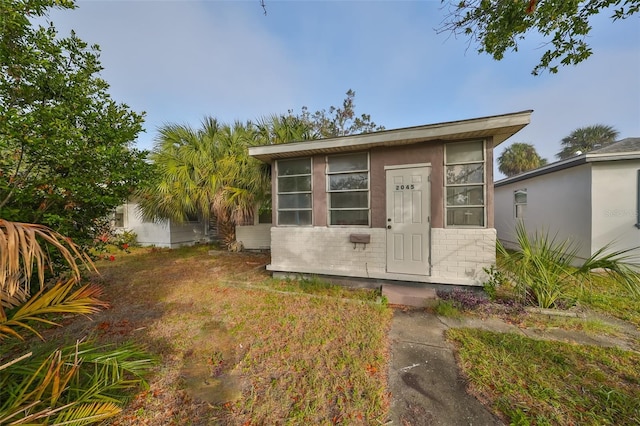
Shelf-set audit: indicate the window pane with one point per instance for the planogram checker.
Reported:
(349, 200)
(265, 216)
(119, 220)
(465, 196)
(294, 184)
(299, 166)
(347, 163)
(349, 217)
(299, 217)
(520, 196)
(465, 216)
(465, 173)
(462, 152)
(294, 201)
(348, 181)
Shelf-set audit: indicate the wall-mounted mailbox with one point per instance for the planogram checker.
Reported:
(360, 238)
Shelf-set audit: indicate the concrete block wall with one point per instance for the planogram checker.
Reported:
(458, 256)
(462, 253)
(321, 250)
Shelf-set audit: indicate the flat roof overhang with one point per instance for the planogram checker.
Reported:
(499, 127)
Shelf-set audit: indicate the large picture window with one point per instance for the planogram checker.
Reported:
(348, 189)
(294, 191)
(465, 184)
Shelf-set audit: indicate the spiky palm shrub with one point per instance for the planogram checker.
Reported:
(75, 385)
(544, 269)
(78, 384)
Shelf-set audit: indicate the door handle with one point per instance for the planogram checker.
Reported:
(388, 226)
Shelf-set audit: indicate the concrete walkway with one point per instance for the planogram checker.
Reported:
(424, 379)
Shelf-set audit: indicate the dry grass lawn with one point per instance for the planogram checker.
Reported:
(239, 348)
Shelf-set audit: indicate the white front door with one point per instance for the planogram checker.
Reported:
(408, 207)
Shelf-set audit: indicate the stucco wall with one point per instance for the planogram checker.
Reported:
(254, 237)
(458, 255)
(183, 234)
(558, 203)
(614, 193)
(161, 234)
(149, 233)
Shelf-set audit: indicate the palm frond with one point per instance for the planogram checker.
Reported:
(84, 414)
(78, 384)
(545, 268)
(61, 298)
(21, 250)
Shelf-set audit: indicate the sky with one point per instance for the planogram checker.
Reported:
(181, 61)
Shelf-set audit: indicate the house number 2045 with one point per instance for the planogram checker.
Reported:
(402, 187)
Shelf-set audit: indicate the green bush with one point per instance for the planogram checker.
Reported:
(544, 272)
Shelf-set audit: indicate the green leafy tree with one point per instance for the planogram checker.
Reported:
(585, 139)
(498, 26)
(66, 155)
(338, 121)
(519, 157)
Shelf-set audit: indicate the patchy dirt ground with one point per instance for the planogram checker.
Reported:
(237, 347)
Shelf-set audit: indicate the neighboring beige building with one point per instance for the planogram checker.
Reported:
(412, 204)
(159, 234)
(592, 199)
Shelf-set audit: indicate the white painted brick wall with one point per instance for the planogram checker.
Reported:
(462, 253)
(327, 249)
(458, 256)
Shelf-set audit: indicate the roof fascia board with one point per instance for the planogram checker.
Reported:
(571, 162)
(398, 136)
(612, 156)
(560, 165)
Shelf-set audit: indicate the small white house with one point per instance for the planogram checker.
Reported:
(592, 199)
(412, 204)
(159, 234)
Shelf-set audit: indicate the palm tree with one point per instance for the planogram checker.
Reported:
(277, 129)
(518, 158)
(585, 139)
(206, 172)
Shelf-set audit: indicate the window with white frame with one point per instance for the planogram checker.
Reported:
(465, 184)
(520, 203)
(294, 191)
(348, 189)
